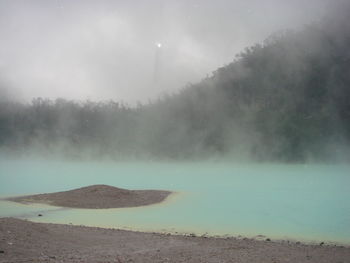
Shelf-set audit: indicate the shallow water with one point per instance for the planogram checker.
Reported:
(304, 202)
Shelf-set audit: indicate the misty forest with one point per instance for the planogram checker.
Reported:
(175, 131)
(285, 99)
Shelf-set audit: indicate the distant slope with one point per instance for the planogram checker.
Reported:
(287, 99)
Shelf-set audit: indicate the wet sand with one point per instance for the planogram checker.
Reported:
(24, 241)
(97, 197)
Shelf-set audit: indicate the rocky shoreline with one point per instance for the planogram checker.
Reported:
(25, 241)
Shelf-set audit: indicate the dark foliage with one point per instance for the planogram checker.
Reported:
(287, 99)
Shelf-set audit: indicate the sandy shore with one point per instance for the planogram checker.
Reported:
(97, 197)
(24, 241)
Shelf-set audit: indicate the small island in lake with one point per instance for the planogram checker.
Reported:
(97, 197)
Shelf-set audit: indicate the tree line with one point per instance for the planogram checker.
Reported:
(286, 99)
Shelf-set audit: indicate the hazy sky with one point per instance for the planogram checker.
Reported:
(104, 49)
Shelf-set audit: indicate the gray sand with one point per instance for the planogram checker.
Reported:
(24, 241)
(97, 197)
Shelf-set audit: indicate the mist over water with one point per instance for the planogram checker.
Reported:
(240, 107)
(283, 100)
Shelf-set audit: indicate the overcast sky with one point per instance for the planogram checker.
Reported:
(131, 50)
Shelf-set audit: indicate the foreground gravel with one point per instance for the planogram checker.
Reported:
(24, 241)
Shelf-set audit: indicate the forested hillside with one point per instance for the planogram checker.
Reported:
(286, 99)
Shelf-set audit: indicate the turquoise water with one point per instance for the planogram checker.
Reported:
(304, 202)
